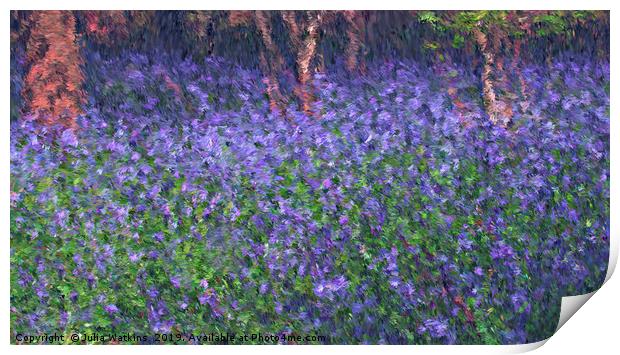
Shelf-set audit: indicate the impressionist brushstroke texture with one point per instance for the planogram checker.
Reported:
(374, 201)
(53, 83)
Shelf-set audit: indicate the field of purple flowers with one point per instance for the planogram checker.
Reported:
(182, 206)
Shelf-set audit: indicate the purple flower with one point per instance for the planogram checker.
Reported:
(278, 308)
(152, 292)
(68, 138)
(327, 183)
(518, 300)
(64, 317)
(110, 308)
(573, 216)
(501, 251)
(328, 288)
(357, 308)
(62, 217)
(464, 242)
(394, 282)
(437, 328)
(134, 257)
(159, 236)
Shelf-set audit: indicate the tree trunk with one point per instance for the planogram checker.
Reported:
(290, 19)
(273, 65)
(304, 59)
(488, 90)
(353, 43)
(504, 106)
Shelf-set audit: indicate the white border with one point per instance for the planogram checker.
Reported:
(570, 334)
(314, 5)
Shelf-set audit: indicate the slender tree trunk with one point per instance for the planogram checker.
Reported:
(304, 58)
(497, 38)
(499, 41)
(274, 65)
(295, 37)
(488, 89)
(263, 22)
(290, 20)
(271, 82)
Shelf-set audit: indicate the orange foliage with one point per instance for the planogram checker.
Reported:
(52, 86)
(240, 18)
(104, 25)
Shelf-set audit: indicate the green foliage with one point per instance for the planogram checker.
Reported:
(551, 24)
(465, 21)
(458, 41)
(429, 17)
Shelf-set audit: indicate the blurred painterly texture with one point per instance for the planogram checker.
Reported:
(416, 177)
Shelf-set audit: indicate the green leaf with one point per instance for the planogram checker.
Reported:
(458, 41)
